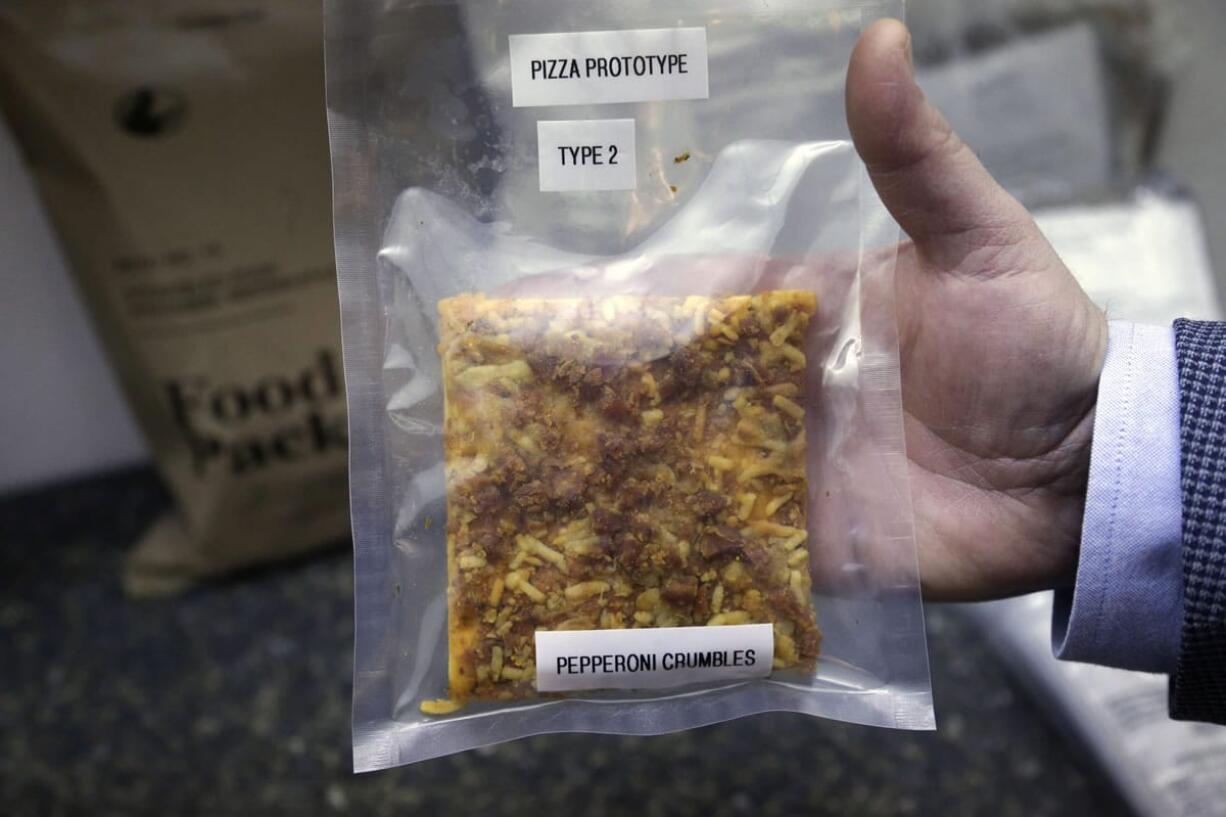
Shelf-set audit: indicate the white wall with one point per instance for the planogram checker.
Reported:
(61, 413)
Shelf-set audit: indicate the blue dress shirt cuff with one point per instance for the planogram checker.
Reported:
(1125, 609)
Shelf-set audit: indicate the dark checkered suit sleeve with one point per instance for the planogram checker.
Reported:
(1198, 685)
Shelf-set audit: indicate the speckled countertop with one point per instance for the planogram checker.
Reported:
(234, 700)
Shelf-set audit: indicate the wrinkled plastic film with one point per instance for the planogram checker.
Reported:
(756, 188)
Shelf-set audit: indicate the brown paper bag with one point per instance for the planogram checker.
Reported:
(181, 150)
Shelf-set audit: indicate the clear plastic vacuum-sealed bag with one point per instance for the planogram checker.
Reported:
(621, 356)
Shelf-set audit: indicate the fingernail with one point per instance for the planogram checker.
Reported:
(910, 54)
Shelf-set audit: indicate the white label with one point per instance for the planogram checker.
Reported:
(586, 154)
(595, 67)
(652, 657)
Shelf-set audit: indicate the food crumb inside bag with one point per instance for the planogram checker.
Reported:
(622, 365)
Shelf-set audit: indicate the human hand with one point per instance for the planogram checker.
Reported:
(1001, 349)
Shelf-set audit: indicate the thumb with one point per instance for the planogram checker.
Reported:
(931, 182)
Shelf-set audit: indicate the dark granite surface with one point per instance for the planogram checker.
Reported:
(234, 700)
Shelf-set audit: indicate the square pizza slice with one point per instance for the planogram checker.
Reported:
(624, 461)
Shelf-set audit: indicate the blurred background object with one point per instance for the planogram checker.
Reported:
(180, 151)
(1042, 147)
(1191, 142)
(57, 374)
(1104, 115)
(1138, 46)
